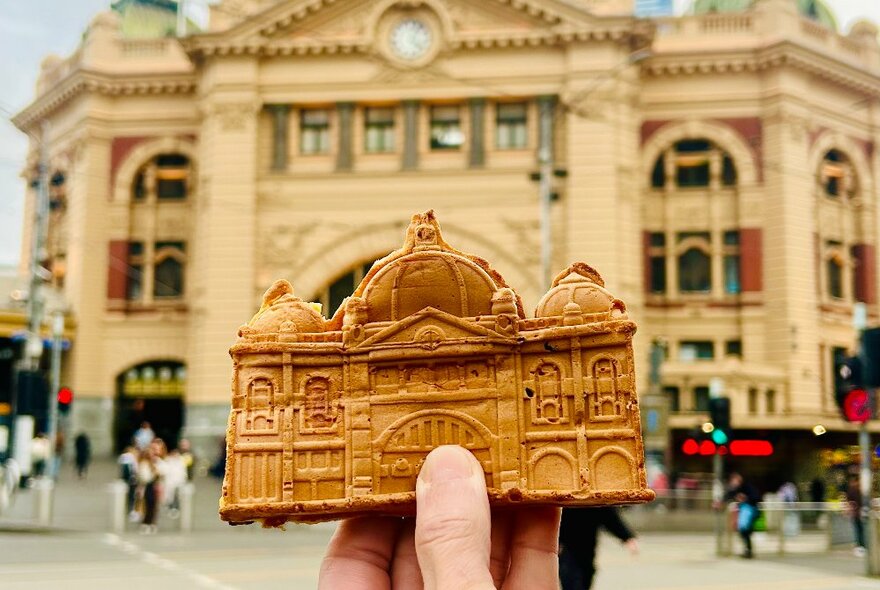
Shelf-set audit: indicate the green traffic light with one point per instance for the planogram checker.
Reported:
(719, 437)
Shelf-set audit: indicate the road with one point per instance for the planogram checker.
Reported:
(79, 553)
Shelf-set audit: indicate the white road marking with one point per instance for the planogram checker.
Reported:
(156, 560)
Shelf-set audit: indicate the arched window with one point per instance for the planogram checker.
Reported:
(694, 262)
(164, 177)
(693, 165)
(168, 280)
(336, 292)
(836, 176)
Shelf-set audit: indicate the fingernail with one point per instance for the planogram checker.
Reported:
(446, 463)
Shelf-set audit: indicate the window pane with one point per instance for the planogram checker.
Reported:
(753, 401)
(658, 239)
(731, 274)
(134, 283)
(697, 349)
(835, 278)
(694, 271)
(446, 130)
(701, 398)
(658, 175)
(658, 274)
(771, 401)
(135, 248)
(673, 394)
(731, 238)
(728, 171)
(169, 278)
(733, 348)
(693, 145)
(314, 131)
(689, 175)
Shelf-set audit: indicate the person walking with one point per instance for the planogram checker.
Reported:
(745, 494)
(82, 447)
(143, 436)
(148, 476)
(855, 507)
(174, 478)
(128, 465)
(578, 536)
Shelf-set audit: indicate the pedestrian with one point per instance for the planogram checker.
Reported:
(148, 475)
(817, 490)
(855, 506)
(189, 458)
(83, 454)
(128, 464)
(39, 454)
(55, 468)
(143, 436)
(173, 480)
(747, 498)
(791, 520)
(578, 536)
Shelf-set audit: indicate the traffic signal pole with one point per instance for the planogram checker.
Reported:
(57, 334)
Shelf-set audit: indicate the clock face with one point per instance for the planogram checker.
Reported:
(410, 39)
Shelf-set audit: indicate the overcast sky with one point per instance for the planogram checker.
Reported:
(32, 29)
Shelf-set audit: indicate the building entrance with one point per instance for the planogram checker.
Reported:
(151, 392)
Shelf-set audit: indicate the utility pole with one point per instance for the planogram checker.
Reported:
(716, 390)
(33, 351)
(55, 383)
(546, 105)
(860, 323)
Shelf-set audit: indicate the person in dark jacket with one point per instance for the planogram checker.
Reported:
(739, 490)
(82, 454)
(578, 535)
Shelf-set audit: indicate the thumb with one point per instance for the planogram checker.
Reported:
(452, 521)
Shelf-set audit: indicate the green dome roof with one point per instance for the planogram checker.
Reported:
(813, 9)
(147, 19)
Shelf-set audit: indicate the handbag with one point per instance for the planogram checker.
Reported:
(746, 518)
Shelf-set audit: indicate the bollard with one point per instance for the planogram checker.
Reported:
(187, 492)
(873, 537)
(118, 504)
(43, 500)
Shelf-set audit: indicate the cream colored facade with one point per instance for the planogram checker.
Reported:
(766, 92)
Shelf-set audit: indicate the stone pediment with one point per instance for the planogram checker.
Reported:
(429, 329)
(344, 26)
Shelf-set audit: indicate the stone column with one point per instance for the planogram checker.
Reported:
(280, 135)
(410, 159)
(344, 160)
(477, 156)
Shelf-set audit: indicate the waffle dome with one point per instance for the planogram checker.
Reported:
(579, 285)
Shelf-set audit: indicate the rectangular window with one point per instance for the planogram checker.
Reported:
(657, 261)
(168, 273)
(135, 271)
(673, 394)
(378, 130)
(753, 400)
(511, 130)
(446, 133)
(733, 348)
(701, 398)
(731, 274)
(314, 131)
(691, 350)
(771, 401)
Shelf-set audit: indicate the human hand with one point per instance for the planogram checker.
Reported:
(451, 545)
(632, 545)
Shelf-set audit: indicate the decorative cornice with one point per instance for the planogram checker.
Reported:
(85, 81)
(779, 55)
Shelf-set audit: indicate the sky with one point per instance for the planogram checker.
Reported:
(33, 29)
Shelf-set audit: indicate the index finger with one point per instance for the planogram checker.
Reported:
(359, 555)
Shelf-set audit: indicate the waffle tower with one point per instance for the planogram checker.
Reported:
(333, 418)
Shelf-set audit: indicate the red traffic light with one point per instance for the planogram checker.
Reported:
(737, 448)
(857, 406)
(65, 395)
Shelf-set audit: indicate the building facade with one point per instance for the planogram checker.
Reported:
(719, 169)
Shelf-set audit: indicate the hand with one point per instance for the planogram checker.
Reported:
(451, 544)
(632, 545)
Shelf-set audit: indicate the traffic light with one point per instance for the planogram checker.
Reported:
(719, 412)
(853, 399)
(871, 353)
(65, 398)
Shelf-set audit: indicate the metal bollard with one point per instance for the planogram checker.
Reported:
(43, 500)
(187, 492)
(118, 504)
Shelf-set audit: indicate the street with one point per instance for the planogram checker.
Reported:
(78, 552)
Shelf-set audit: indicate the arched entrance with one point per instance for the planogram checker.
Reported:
(153, 392)
(404, 445)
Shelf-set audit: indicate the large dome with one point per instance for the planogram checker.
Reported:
(430, 278)
(814, 9)
(284, 312)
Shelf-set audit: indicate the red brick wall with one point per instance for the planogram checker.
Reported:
(865, 277)
(119, 149)
(751, 259)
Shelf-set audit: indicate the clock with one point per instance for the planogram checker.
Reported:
(410, 39)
